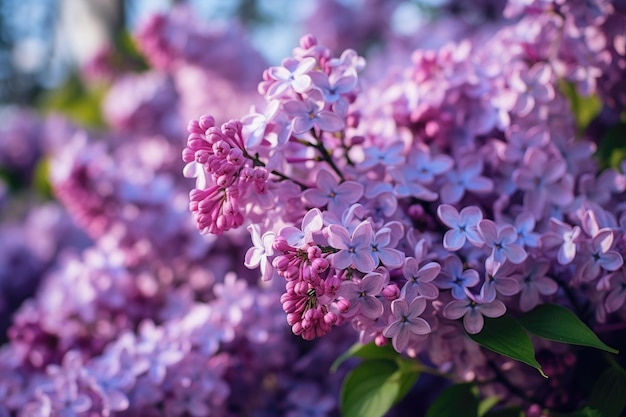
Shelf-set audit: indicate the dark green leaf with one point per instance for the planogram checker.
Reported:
(458, 400)
(368, 351)
(557, 323)
(608, 396)
(504, 335)
(370, 389)
(408, 374)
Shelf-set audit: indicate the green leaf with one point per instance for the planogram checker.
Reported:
(608, 394)
(585, 109)
(504, 335)
(368, 351)
(408, 373)
(370, 389)
(458, 400)
(553, 322)
(487, 404)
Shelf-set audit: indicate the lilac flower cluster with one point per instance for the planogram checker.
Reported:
(460, 188)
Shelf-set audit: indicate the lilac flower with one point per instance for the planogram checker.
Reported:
(406, 322)
(335, 85)
(158, 350)
(498, 279)
(311, 223)
(255, 125)
(501, 240)
(330, 192)
(354, 250)
(465, 178)
(383, 250)
(533, 282)
(362, 295)
(419, 280)
(535, 87)
(113, 381)
(617, 292)
(388, 157)
(420, 170)
(258, 254)
(292, 73)
(597, 256)
(463, 224)
(454, 277)
(544, 181)
(350, 218)
(234, 298)
(525, 224)
(563, 236)
(472, 309)
(310, 113)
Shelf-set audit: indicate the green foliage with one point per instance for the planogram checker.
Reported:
(370, 390)
(373, 387)
(504, 335)
(77, 102)
(584, 109)
(379, 382)
(487, 404)
(459, 400)
(41, 178)
(608, 396)
(368, 351)
(553, 322)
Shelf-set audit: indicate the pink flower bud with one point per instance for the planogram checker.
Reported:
(313, 252)
(308, 41)
(206, 122)
(343, 305)
(380, 340)
(391, 292)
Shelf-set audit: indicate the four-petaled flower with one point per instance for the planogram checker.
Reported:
(406, 322)
(455, 278)
(472, 309)
(362, 295)
(382, 250)
(329, 192)
(419, 280)
(292, 73)
(533, 282)
(463, 226)
(502, 242)
(354, 250)
(310, 113)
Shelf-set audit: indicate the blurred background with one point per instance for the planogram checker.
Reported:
(43, 43)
